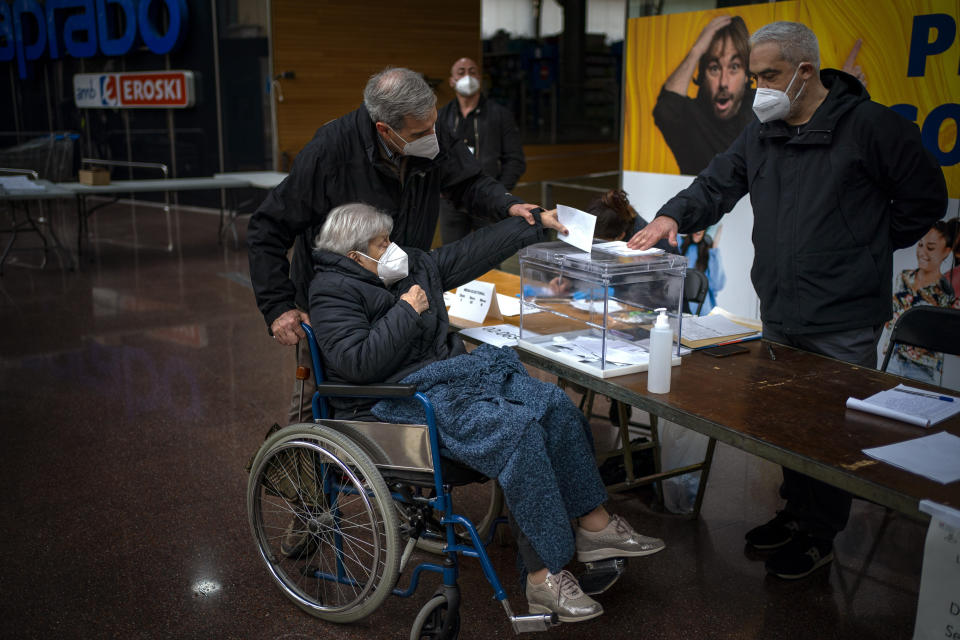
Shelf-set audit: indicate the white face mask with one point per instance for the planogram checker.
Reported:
(426, 147)
(467, 86)
(392, 265)
(773, 104)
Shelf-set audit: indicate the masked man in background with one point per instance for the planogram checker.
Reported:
(489, 132)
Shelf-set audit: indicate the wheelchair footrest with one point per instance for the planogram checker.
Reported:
(601, 575)
(533, 622)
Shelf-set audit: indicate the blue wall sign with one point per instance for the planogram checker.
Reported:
(79, 27)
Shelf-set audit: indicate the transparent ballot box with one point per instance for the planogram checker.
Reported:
(594, 311)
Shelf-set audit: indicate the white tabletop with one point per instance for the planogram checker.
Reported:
(171, 184)
(41, 190)
(258, 179)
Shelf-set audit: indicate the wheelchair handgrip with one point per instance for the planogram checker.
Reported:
(332, 389)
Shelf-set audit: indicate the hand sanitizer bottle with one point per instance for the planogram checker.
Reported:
(661, 361)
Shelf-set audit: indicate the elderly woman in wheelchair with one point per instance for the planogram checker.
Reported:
(379, 317)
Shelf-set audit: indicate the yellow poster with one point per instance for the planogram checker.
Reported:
(688, 93)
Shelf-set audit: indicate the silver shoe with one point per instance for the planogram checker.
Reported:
(561, 594)
(617, 539)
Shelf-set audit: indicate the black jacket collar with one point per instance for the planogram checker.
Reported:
(324, 260)
(844, 93)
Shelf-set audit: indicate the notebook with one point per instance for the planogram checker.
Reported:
(909, 404)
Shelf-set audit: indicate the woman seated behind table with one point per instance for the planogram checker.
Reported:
(379, 317)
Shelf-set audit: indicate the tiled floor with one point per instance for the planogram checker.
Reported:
(135, 391)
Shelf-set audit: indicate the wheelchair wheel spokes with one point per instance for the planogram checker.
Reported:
(324, 522)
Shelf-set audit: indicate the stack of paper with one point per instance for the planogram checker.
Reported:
(909, 404)
(499, 335)
(936, 457)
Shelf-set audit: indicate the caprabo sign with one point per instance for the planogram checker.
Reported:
(85, 28)
(138, 90)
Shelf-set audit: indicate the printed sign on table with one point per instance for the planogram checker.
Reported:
(474, 301)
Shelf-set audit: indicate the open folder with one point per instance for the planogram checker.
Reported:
(705, 331)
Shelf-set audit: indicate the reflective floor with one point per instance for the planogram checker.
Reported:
(135, 391)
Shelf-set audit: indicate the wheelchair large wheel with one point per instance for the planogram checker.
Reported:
(324, 522)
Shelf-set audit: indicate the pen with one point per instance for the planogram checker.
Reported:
(770, 351)
(925, 395)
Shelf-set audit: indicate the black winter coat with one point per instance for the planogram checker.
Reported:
(342, 164)
(496, 138)
(367, 334)
(831, 201)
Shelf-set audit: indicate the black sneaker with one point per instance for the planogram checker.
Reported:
(774, 534)
(801, 557)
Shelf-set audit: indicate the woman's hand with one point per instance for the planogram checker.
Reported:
(416, 298)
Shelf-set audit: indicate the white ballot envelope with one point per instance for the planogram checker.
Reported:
(580, 225)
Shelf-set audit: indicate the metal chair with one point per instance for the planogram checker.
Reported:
(695, 289)
(928, 327)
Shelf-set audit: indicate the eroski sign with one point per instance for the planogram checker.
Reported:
(143, 89)
(82, 28)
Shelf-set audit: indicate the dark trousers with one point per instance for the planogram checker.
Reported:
(820, 509)
(530, 562)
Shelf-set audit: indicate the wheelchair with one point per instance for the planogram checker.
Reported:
(348, 492)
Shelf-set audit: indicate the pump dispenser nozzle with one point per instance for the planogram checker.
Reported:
(662, 320)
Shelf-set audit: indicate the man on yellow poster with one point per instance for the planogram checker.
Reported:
(696, 129)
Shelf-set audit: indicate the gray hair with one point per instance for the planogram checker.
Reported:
(796, 41)
(351, 227)
(395, 93)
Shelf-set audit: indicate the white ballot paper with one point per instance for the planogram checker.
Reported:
(938, 606)
(580, 225)
(619, 247)
(936, 457)
(510, 307)
(499, 335)
(596, 306)
(474, 301)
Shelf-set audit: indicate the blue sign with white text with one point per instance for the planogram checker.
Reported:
(82, 27)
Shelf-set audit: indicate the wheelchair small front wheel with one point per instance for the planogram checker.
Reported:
(324, 522)
(437, 620)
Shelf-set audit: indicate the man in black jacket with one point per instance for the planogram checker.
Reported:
(489, 132)
(837, 183)
(388, 154)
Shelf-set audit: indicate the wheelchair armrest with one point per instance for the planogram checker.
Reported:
(329, 389)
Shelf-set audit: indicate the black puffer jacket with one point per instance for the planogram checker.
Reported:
(496, 137)
(830, 204)
(367, 334)
(342, 164)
